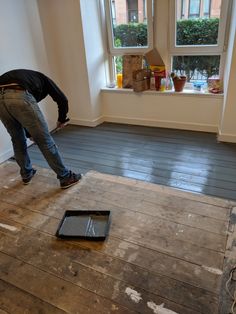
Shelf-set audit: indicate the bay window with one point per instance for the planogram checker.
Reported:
(196, 34)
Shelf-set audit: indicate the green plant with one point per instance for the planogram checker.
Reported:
(130, 35)
(197, 31)
(174, 76)
(189, 32)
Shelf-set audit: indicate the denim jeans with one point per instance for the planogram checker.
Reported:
(19, 110)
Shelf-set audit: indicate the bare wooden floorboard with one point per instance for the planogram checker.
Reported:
(4, 312)
(74, 269)
(52, 289)
(167, 264)
(173, 240)
(18, 301)
(155, 251)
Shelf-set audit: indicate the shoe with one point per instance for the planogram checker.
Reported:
(27, 180)
(71, 180)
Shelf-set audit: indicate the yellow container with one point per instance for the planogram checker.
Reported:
(159, 68)
(119, 79)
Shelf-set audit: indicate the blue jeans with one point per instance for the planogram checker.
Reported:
(19, 110)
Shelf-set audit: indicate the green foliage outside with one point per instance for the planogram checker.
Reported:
(197, 32)
(189, 32)
(118, 59)
(131, 35)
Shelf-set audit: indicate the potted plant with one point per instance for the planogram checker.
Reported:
(178, 81)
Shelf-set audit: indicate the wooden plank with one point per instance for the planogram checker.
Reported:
(149, 167)
(166, 190)
(40, 205)
(160, 150)
(159, 204)
(177, 243)
(161, 242)
(200, 273)
(147, 153)
(167, 264)
(219, 187)
(228, 286)
(157, 196)
(85, 269)
(53, 290)
(26, 303)
(149, 142)
(154, 161)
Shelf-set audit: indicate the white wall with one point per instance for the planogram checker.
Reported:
(227, 129)
(75, 54)
(22, 46)
(95, 54)
(191, 112)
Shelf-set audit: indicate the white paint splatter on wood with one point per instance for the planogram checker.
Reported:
(134, 295)
(213, 270)
(159, 309)
(8, 227)
(132, 257)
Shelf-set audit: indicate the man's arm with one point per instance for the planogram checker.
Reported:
(61, 100)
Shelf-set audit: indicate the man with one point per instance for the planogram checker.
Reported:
(20, 92)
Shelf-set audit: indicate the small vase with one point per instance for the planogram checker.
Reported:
(179, 83)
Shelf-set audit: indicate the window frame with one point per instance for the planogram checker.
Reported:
(115, 51)
(217, 49)
(163, 40)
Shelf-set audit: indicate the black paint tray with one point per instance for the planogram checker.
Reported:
(84, 224)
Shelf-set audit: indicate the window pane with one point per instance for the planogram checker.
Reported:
(196, 68)
(201, 25)
(118, 62)
(206, 8)
(194, 8)
(129, 25)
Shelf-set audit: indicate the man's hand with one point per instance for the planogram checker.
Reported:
(61, 125)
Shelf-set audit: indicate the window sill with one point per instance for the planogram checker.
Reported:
(185, 92)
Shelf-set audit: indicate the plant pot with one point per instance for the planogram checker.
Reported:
(179, 83)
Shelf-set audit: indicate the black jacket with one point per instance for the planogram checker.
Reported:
(40, 86)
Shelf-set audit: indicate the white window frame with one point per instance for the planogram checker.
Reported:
(115, 51)
(165, 40)
(201, 50)
(217, 49)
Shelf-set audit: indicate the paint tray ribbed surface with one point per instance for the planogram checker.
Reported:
(84, 224)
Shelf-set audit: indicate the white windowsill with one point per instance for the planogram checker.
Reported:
(185, 92)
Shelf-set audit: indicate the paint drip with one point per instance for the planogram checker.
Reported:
(213, 270)
(134, 295)
(159, 309)
(8, 227)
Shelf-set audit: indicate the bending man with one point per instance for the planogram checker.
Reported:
(20, 92)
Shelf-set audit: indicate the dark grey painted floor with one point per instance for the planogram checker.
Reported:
(187, 160)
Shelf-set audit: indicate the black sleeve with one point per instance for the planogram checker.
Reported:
(61, 100)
